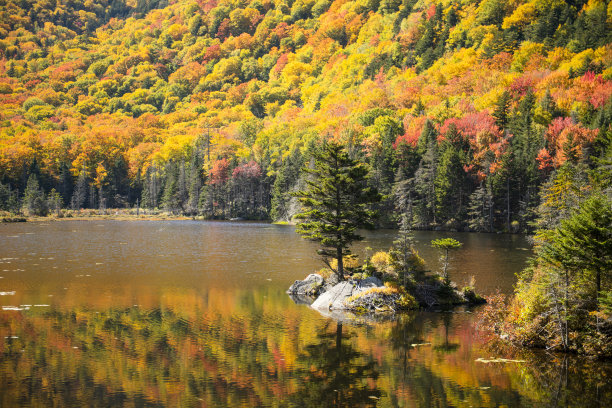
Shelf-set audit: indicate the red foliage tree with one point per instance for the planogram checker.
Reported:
(219, 172)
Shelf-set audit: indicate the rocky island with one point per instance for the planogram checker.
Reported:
(380, 293)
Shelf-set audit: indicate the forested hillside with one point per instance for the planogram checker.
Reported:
(464, 110)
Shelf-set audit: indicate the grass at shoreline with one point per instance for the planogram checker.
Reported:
(117, 214)
(86, 215)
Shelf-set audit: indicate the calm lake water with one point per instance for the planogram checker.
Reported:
(189, 313)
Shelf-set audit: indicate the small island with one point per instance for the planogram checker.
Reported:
(336, 203)
(378, 288)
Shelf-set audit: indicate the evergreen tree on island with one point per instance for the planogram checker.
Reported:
(336, 203)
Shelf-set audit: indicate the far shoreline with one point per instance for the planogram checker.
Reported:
(130, 214)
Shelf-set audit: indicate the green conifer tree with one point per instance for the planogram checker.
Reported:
(446, 245)
(34, 198)
(335, 203)
(583, 242)
(502, 110)
(9, 200)
(170, 198)
(287, 177)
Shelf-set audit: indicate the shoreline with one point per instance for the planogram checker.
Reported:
(129, 215)
(90, 216)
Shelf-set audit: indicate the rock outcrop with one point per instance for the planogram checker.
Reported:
(370, 296)
(311, 286)
(336, 297)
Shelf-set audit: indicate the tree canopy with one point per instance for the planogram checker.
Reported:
(446, 245)
(336, 202)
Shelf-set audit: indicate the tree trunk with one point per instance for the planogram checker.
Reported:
(445, 272)
(340, 270)
(508, 203)
(566, 301)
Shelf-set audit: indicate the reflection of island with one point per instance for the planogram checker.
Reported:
(333, 373)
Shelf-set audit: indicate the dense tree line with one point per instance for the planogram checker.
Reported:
(431, 176)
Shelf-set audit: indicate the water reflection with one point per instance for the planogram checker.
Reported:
(198, 327)
(334, 373)
(180, 355)
(447, 346)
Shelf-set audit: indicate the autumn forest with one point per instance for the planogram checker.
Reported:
(469, 111)
(408, 161)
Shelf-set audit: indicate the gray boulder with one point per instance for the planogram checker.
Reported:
(311, 286)
(367, 283)
(331, 281)
(335, 297)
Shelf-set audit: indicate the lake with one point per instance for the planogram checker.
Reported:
(192, 313)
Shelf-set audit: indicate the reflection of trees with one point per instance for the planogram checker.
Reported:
(406, 331)
(441, 375)
(192, 356)
(334, 373)
(422, 373)
(129, 356)
(447, 346)
(562, 380)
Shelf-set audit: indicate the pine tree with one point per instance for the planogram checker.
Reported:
(450, 184)
(205, 203)
(80, 192)
(583, 242)
(145, 197)
(182, 193)
(66, 183)
(286, 179)
(446, 245)
(34, 198)
(54, 201)
(560, 195)
(480, 209)
(335, 203)
(502, 110)
(524, 148)
(195, 180)
(9, 200)
(170, 200)
(425, 176)
(402, 254)
(570, 273)
(4, 197)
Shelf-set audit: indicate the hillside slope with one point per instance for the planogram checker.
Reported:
(462, 108)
